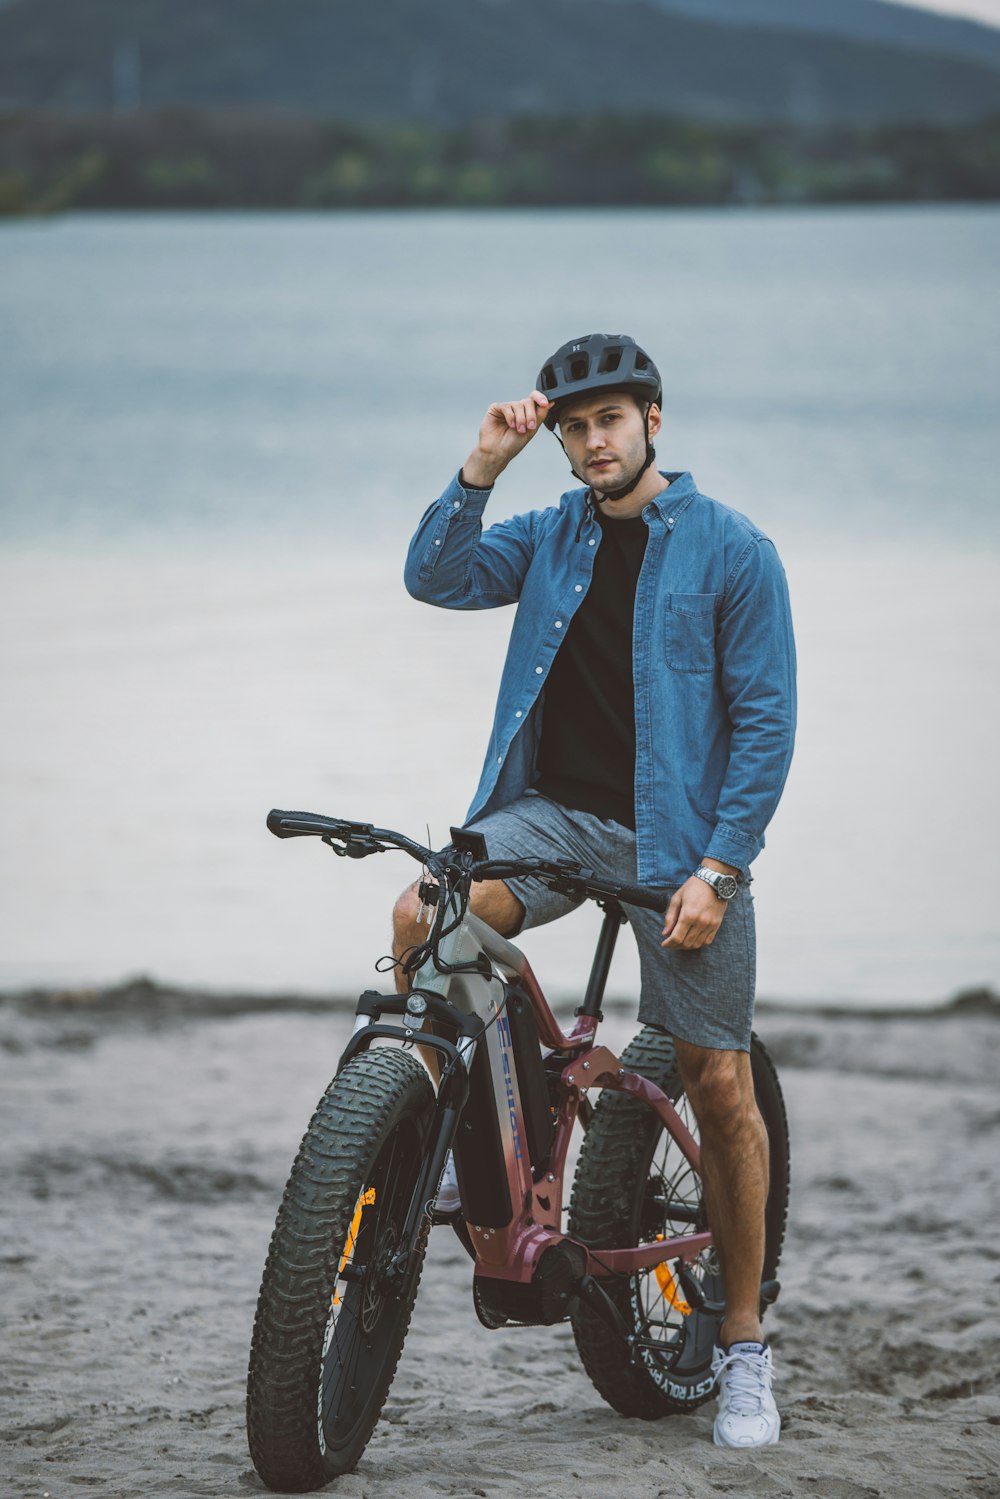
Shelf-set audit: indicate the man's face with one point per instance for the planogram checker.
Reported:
(605, 437)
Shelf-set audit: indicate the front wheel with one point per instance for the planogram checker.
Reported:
(330, 1324)
(634, 1186)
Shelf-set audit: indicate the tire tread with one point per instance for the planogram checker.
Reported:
(366, 1098)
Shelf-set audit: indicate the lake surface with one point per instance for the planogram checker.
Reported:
(217, 436)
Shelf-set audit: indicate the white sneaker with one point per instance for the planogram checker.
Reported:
(448, 1199)
(748, 1416)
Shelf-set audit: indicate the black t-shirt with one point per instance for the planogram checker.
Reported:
(586, 758)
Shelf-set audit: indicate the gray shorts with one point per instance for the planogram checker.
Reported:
(705, 996)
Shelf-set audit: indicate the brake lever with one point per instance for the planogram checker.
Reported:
(354, 846)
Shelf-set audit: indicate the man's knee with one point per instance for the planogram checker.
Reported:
(406, 909)
(490, 900)
(493, 902)
(719, 1084)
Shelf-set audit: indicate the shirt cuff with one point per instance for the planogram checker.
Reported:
(473, 488)
(730, 846)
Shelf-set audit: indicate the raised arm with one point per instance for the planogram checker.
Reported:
(452, 562)
(506, 430)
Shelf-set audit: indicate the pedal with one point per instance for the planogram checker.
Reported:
(436, 1217)
(769, 1292)
(694, 1295)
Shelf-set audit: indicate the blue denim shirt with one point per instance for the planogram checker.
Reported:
(713, 658)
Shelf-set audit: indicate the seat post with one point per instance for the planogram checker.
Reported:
(614, 916)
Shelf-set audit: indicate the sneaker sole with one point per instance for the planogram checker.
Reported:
(771, 1441)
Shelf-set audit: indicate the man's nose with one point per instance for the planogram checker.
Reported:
(595, 437)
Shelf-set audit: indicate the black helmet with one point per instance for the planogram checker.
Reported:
(598, 361)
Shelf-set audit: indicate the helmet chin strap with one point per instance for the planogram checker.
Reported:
(618, 494)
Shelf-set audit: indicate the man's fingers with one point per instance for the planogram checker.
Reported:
(689, 930)
(679, 929)
(686, 936)
(522, 416)
(540, 405)
(532, 412)
(673, 910)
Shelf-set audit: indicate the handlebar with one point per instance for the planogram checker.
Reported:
(357, 840)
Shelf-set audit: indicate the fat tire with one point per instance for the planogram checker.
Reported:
(378, 1097)
(606, 1209)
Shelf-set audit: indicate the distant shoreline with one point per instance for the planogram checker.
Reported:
(147, 999)
(225, 158)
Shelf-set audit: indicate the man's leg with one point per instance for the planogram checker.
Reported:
(734, 1158)
(490, 900)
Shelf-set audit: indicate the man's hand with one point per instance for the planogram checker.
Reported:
(507, 427)
(695, 912)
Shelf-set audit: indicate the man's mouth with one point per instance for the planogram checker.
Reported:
(602, 462)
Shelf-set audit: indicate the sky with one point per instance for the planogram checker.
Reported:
(976, 10)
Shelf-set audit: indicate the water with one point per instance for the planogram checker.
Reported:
(218, 433)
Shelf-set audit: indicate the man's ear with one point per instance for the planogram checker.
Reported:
(654, 421)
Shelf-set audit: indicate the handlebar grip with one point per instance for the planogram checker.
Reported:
(642, 895)
(298, 824)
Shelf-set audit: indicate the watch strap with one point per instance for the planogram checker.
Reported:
(724, 885)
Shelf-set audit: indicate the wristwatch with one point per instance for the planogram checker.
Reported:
(724, 885)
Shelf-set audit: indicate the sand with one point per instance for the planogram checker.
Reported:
(146, 1138)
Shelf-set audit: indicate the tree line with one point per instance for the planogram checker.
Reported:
(219, 159)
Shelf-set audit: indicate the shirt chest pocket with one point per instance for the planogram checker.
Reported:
(689, 631)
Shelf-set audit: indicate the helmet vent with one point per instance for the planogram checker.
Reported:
(597, 362)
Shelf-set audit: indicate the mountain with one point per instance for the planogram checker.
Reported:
(906, 26)
(448, 61)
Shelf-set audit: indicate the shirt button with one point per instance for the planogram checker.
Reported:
(538, 671)
(558, 624)
(579, 588)
(438, 542)
(518, 713)
(457, 505)
(499, 759)
(592, 542)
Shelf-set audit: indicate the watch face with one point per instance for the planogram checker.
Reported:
(726, 886)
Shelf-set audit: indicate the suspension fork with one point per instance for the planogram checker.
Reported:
(451, 1098)
(449, 1103)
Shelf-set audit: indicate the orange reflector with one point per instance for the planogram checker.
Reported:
(364, 1201)
(669, 1289)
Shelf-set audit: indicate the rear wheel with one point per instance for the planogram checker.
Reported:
(330, 1323)
(634, 1186)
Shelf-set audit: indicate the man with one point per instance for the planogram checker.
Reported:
(644, 726)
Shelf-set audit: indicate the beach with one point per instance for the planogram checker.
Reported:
(221, 432)
(147, 1135)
